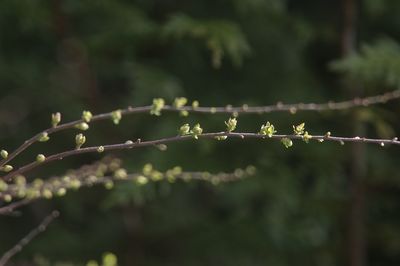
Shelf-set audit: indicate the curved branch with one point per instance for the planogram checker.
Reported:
(138, 144)
(279, 107)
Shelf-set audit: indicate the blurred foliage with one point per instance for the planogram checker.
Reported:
(375, 66)
(220, 36)
(68, 56)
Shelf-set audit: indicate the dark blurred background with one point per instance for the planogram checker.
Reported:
(315, 204)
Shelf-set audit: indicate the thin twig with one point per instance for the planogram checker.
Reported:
(15, 205)
(104, 172)
(28, 238)
(122, 146)
(279, 107)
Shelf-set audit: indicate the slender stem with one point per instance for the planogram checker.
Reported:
(15, 205)
(279, 107)
(28, 238)
(138, 144)
(86, 182)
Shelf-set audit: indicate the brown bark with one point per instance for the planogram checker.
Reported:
(357, 206)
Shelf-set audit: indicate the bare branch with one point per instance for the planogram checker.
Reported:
(15, 205)
(28, 238)
(279, 107)
(138, 144)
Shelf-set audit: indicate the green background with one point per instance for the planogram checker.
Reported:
(69, 56)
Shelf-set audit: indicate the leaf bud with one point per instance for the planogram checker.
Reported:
(55, 119)
(231, 124)
(80, 139)
(116, 116)
(44, 136)
(86, 116)
(4, 154)
(40, 158)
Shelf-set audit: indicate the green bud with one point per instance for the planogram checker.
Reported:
(196, 131)
(213, 110)
(306, 137)
(37, 183)
(20, 180)
(169, 174)
(47, 194)
(116, 116)
(7, 198)
(195, 104)
(44, 137)
(147, 169)
(100, 149)
(158, 105)
(179, 102)
(6, 168)
(4, 154)
(287, 142)
(80, 139)
(82, 126)
(299, 129)
(251, 170)
(268, 129)
(61, 192)
(55, 119)
(40, 158)
(184, 130)
(92, 263)
(75, 184)
(156, 175)
(66, 179)
(87, 116)
(120, 174)
(21, 193)
(3, 185)
(177, 170)
(171, 179)
(109, 259)
(184, 113)
(231, 124)
(142, 180)
(33, 194)
(221, 137)
(109, 184)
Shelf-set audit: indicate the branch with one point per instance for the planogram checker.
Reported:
(105, 172)
(138, 144)
(15, 205)
(279, 107)
(28, 238)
